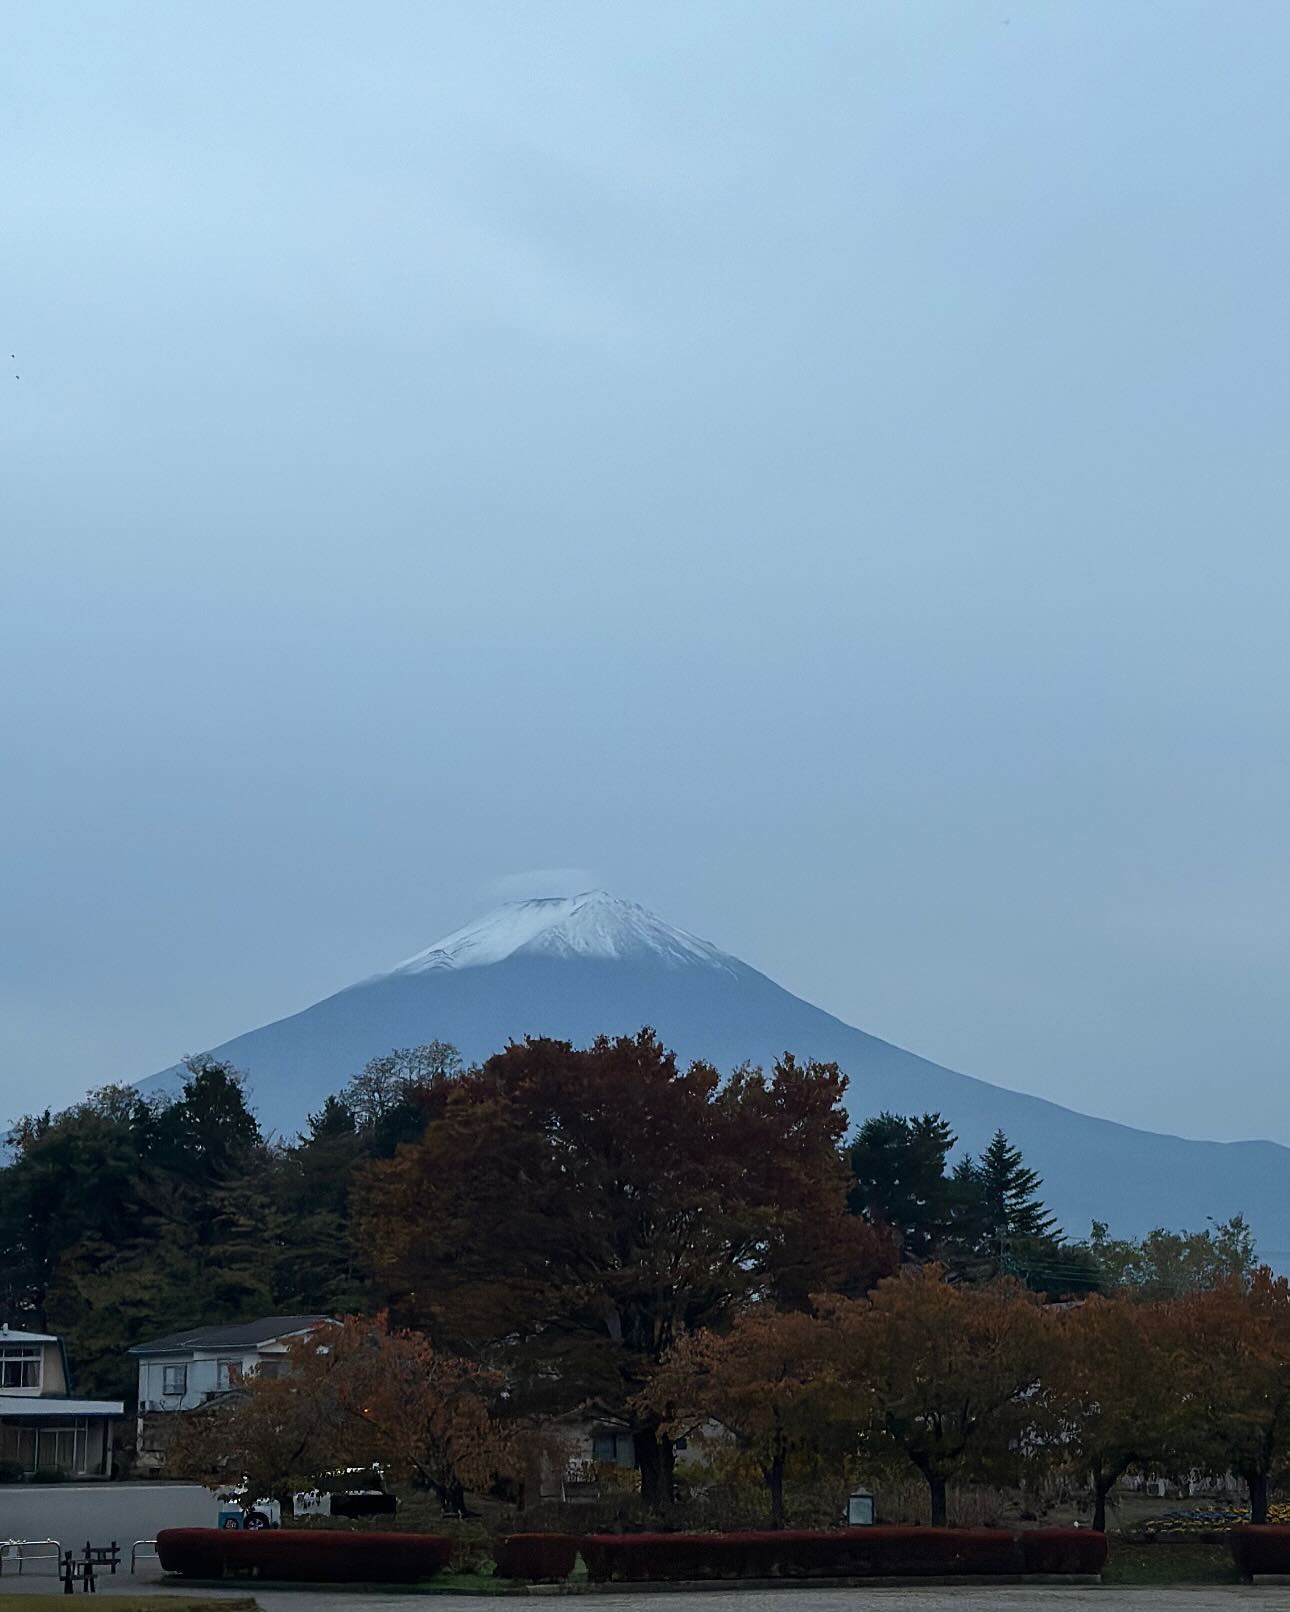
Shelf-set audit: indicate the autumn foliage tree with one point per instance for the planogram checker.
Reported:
(353, 1395)
(766, 1381)
(1235, 1340)
(574, 1213)
(941, 1374)
(1115, 1392)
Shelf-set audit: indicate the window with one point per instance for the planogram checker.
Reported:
(174, 1379)
(227, 1373)
(271, 1368)
(611, 1448)
(18, 1443)
(19, 1367)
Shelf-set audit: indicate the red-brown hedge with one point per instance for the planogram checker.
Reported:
(319, 1556)
(535, 1556)
(1062, 1550)
(1260, 1547)
(855, 1553)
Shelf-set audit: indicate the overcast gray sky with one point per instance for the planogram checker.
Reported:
(818, 468)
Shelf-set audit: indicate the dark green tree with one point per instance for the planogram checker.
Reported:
(997, 1202)
(899, 1175)
(321, 1266)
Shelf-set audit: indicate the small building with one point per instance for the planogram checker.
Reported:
(43, 1427)
(186, 1370)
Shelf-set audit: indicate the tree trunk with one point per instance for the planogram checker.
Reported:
(1258, 1486)
(937, 1487)
(655, 1458)
(774, 1475)
(1100, 1488)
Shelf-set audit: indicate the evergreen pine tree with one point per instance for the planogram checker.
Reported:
(1010, 1195)
(898, 1165)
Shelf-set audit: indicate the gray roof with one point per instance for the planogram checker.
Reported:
(240, 1335)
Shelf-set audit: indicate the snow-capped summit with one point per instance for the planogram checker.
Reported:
(593, 924)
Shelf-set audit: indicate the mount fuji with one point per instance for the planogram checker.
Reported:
(578, 966)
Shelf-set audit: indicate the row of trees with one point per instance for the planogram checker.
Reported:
(990, 1384)
(958, 1383)
(570, 1221)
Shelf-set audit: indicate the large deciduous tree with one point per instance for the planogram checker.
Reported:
(574, 1213)
(1115, 1389)
(1236, 1340)
(765, 1380)
(944, 1375)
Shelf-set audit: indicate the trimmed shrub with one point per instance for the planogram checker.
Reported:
(308, 1555)
(1063, 1550)
(791, 1553)
(12, 1472)
(544, 1557)
(1261, 1548)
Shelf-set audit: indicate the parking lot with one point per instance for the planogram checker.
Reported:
(101, 1512)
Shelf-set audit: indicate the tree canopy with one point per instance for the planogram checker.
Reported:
(582, 1210)
(353, 1395)
(940, 1373)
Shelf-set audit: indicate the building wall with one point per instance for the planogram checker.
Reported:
(53, 1377)
(55, 1374)
(202, 1376)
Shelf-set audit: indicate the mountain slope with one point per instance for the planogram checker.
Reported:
(579, 966)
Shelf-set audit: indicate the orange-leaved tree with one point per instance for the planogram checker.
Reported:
(353, 1395)
(947, 1376)
(765, 1380)
(575, 1212)
(1115, 1391)
(1235, 1339)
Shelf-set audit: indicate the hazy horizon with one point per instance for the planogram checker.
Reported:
(815, 471)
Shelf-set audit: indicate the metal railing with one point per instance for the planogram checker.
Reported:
(29, 1550)
(142, 1549)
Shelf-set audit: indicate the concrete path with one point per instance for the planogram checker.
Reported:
(1226, 1598)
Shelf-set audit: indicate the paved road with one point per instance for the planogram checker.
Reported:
(1022, 1599)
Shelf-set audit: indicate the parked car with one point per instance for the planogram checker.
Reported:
(354, 1492)
(235, 1512)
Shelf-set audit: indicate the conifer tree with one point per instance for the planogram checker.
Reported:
(900, 1181)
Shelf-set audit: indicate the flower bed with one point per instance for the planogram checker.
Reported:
(855, 1553)
(1208, 1521)
(536, 1556)
(1261, 1548)
(309, 1555)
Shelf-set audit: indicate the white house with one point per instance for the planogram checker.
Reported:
(43, 1428)
(188, 1369)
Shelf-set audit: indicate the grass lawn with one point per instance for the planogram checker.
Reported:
(136, 1603)
(464, 1583)
(1183, 1563)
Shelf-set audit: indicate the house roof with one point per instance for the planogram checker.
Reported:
(20, 1405)
(241, 1335)
(8, 1335)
